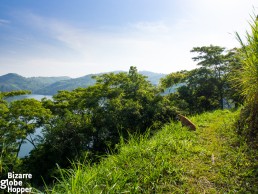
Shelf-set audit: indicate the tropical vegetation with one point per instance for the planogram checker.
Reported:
(120, 134)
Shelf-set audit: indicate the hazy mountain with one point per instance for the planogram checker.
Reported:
(51, 85)
(49, 80)
(70, 84)
(153, 77)
(12, 81)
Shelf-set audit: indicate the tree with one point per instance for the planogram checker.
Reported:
(205, 88)
(214, 58)
(172, 79)
(199, 92)
(9, 134)
(232, 85)
(26, 115)
(92, 120)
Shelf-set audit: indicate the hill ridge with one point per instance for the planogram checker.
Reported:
(211, 160)
(51, 85)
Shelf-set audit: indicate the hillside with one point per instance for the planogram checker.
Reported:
(69, 85)
(12, 81)
(153, 77)
(212, 159)
(51, 85)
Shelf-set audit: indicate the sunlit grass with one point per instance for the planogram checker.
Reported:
(248, 80)
(248, 77)
(210, 160)
(249, 60)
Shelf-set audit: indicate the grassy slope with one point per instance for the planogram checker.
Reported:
(211, 160)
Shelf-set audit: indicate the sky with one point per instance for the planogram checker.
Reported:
(79, 37)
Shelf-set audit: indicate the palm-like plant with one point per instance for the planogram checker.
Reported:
(248, 75)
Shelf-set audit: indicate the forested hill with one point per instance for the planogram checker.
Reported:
(12, 81)
(50, 85)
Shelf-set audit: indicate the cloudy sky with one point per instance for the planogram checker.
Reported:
(78, 37)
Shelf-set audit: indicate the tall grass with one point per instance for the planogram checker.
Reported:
(143, 166)
(210, 160)
(248, 76)
(249, 60)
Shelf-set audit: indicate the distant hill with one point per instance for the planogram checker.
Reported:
(51, 85)
(153, 77)
(70, 84)
(12, 81)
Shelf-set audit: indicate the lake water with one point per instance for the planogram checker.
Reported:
(26, 147)
(35, 96)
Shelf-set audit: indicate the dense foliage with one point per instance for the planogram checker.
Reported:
(90, 121)
(86, 123)
(214, 159)
(208, 87)
(17, 122)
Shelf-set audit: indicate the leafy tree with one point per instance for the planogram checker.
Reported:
(232, 85)
(214, 58)
(205, 88)
(172, 79)
(8, 134)
(27, 115)
(91, 120)
(64, 141)
(199, 93)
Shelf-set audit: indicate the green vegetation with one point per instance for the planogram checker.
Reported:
(90, 121)
(211, 160)
(206, 88)
(18, 120)
(51, 85)
(12, 81)
(247, 78)
(120, 132)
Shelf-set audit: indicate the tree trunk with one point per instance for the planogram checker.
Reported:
(19, 148)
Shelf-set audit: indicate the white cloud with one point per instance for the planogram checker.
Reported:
(4, 22)
(151, 27)
(160, 46)
(147, 45)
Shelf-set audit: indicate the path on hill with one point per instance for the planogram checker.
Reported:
(223, 162)
(212, 159)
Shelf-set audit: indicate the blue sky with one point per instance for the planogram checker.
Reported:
(79, 37)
